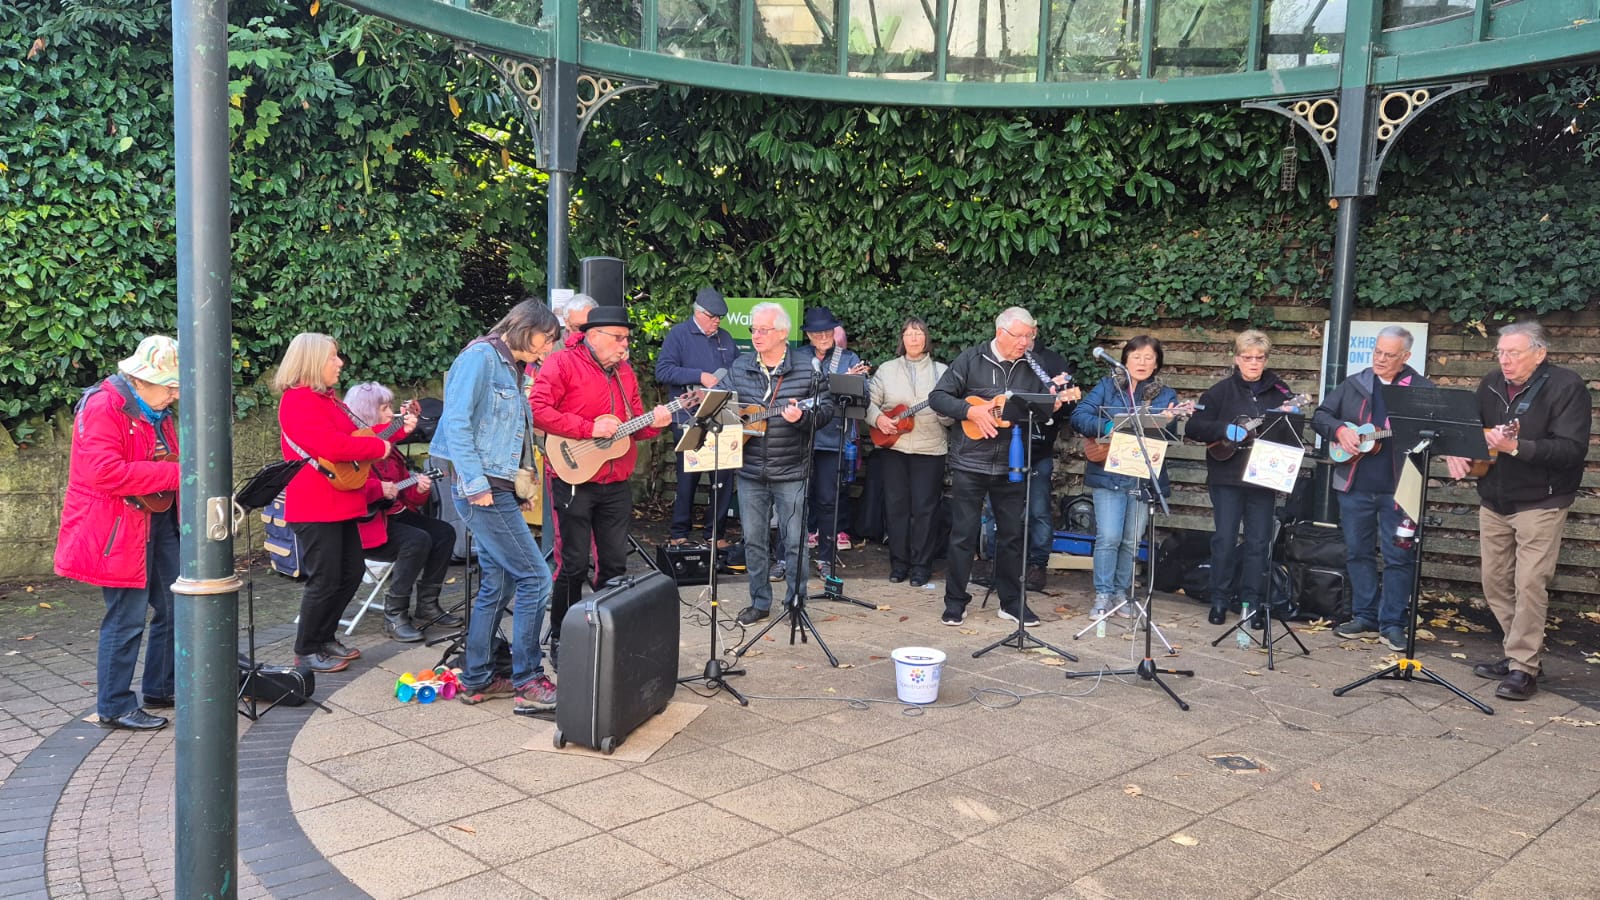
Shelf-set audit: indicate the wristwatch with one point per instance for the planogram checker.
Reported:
(1515, 448)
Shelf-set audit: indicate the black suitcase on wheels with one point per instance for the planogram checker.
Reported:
(619, 661)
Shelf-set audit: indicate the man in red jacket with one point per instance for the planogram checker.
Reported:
(588, 391)
(123, 470)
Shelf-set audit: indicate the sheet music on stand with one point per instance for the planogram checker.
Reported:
(698, 453)
(1274, 465)
(1123, 457)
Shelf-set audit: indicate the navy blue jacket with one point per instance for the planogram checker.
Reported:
(687, 353)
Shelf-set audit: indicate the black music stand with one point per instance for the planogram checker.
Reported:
(707, 425)
(1428, 421)
(1022, 410)
(1147, 670)
(850, 402)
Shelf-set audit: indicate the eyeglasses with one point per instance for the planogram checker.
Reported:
(757, 332)
(1513, 354)
(1379, 354)
(1025, 336)
(709, 315)
(619, 338)
(1256, 358)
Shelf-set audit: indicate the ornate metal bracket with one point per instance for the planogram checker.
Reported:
(525, 83)
(1395, 109)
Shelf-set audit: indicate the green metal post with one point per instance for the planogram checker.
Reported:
(650, 24)
(1147, 37)
(1253, 58)
(747, 31)
(1042, 65)
(941, 40)
(841, 35)
(207, 592)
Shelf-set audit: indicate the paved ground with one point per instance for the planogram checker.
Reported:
(1018, 783)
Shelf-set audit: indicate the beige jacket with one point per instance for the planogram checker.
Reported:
(901, 380)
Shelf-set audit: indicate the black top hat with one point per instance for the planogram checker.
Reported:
(819, 318)
(607, 315)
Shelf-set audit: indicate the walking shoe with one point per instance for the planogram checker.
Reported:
(1518, 685)
(321, 662)
(897, 575)
(750, 615)
(494, 690)
(842, 541)
(1102, 603)
(1394, 639)
(1029, 620)
(1125, 611)
(919, 579)
(824, 569)
(811, 539)
(138, 720)
(1035, 579)
(1217, 615)
(1493, 671)
(540, 693)
(779, 571)
(339, 651)
(953, 614)
(1356, 628)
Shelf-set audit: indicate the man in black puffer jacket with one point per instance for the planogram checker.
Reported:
(777, 461)
(979, 465)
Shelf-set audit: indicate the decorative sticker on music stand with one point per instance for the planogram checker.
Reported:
(1275, 466)
(704, 459)
(1124, 458)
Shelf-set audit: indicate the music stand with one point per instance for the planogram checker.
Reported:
(1428, 420)
(707, 425)
(850, 402)
(1022, 410)
(1147, 670)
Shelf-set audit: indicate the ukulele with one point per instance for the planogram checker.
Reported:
(1369, 438)
(1096, 450)
(1223, 450)
(755, 416)
(995, 405)
(384, 504)
(1481, 467)
(159, 501)
(575, 460)
(904, 420)
(352, 475)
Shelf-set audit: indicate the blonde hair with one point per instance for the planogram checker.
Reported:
(303, 361)
(1252, 340)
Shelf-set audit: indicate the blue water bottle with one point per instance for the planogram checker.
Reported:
(1019, 462)
(849, 459)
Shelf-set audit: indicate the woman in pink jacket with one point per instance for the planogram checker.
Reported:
(119, 526)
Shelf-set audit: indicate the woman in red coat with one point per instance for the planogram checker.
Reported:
(317, 426)
(124, 450)
(418, 545)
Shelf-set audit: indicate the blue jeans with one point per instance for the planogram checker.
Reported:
(1360, 512)
(1119, 522)
(123, 625)
(1233, 578)
(509, 558)
(757, 499)
(1041, 531)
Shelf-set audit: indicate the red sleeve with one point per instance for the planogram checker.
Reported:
(554, 381)
(314, 423)
(100, 445)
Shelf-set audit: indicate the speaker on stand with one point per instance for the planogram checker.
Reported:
(601, 277)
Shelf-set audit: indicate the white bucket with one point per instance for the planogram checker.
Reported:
(916, 673)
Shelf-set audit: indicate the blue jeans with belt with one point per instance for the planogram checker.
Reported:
(510, 558)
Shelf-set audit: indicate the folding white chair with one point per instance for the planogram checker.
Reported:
(376, 574)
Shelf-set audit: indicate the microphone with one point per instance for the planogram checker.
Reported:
(1101, 354)
(718, 375)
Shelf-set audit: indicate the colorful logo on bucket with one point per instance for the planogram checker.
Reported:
(918, 676)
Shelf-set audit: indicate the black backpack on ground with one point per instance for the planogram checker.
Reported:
(1315, 555)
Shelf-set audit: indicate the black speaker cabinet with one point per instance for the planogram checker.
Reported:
(601, 278)
(689, 564)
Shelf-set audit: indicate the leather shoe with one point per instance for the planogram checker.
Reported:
(1217, 615)
(1499, 669)
(138, 720)
(897, 576)
(750, 615)
(321, 662)
(919, 580)
(1517, 686)
(337, 650)
(159, 702)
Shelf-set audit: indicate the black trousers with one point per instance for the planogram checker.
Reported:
(588, 515)
(912, 484)
(419, 546)
(967, 492)
(331, 557)
(683, 500)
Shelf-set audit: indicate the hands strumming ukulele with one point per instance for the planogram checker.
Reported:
(352, 475)
(576, 460)
(755, 416)
(1244, 430)
(903, 418)
(1097, 450)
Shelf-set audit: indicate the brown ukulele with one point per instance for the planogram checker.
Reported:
(1481, 467)
(160, 501)
(755, 416)
(1097, 450)
(352, 475)
(904, 418)
(576, 460)
(995, 405)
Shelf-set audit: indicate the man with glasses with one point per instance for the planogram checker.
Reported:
(690, 356)
(1526, 493)
(776, 459)
(980, 467)
(587, 391)
(1366, 485)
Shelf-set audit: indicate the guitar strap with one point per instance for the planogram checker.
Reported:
(1525, 399)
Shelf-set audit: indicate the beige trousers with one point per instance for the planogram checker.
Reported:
(1519, 559)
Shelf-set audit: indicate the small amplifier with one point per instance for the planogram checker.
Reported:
(687, 564)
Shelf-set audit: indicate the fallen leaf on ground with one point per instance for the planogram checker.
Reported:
(1458, 656)
(1575, 723)
(1133, 790)
(44, 605)
(836, 618)
(1184, 840)
(884, 607)
(800, 667)
(467, 828)
(1053, 661)
(846, 665)
(1424, 634)
(1252, 672)
(27, 637)
(830, 690)
(968, 631)
(905, 618)
(877, 657)
(1316, 786)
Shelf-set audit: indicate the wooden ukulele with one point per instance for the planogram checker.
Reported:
(1223, 450)
(352, 475)
(384, 504)
(160, 501)
(1097, 450)
(576, 460)
(904, 420)
(995, 405)
(1481, 467)
(755, 416)
(1369, 438)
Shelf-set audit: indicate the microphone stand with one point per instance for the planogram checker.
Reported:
(833, 582)
(714, 674)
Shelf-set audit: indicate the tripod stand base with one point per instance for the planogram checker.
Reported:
(1147, 670)
(1408, 670)
(1022, 640)
(1266, 640)
(833, 589)
(799, 627)
(713, 677)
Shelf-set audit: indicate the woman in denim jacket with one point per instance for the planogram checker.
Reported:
(479, 445)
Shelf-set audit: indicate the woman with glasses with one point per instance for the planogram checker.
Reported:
(1249, 392)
